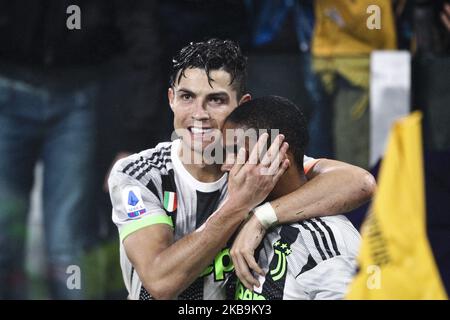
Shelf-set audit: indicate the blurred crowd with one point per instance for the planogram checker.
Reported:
(78, 100)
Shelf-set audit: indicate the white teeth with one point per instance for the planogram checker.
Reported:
(200, 130)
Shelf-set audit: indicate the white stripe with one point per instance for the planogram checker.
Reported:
(171, 202)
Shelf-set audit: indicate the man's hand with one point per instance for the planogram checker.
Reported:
(242, 252)
(251, 181)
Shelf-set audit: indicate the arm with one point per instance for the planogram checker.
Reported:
(333, 188)
(152, 247)
(166, 267)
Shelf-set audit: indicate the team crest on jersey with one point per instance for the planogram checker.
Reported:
(170, 201)
(132, 199)
(281, 250)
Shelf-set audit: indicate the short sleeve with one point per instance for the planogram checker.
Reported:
(308, 163)
(134, 205)
(329, 280)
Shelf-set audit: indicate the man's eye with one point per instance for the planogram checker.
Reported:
(217, 100)
(186, 96)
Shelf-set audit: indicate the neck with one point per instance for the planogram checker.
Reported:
(196, 166)
(291, 180)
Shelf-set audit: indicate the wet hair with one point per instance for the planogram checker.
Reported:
(213, 54)
(273, 112)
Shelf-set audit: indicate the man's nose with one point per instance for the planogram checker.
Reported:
(200, 112)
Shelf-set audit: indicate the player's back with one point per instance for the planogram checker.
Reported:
(312, 259)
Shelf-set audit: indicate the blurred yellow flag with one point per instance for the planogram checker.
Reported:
(396, 261)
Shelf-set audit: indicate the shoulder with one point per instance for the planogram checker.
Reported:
(144, 165)
(328, 237)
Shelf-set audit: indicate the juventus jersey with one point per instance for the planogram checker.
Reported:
(153, 187)
(313, 259)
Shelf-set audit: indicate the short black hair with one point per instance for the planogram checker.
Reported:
(274, 112)
(213, 54)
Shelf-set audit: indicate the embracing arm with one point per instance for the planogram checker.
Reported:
(333, 187)
(166, 267)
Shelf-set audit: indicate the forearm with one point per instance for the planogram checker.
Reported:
(184, 260)
(333, 191)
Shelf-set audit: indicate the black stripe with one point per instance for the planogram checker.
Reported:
(316, 241)
(151, 166)
(151, 186)
(324, 238)
(150, 161)
(330, 232)
(141, 159)
(311, 263)
(132, 164)
(158, 155)
(207, 203)
(131, 276)
(137, 167)
(289, 234)
(169, 184)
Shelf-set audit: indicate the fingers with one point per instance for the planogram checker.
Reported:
(244, 273)
(281, 156)
(281, 170)
(251, 262)
(273, 151)
(240, 161)
(257, 149)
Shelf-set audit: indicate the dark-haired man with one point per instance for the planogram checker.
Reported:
(311, 259)
(175, 215)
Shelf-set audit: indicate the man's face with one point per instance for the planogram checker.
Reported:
(199, 108)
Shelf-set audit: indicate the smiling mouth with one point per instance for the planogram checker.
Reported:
(197, 130)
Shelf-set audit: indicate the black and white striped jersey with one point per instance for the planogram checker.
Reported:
(152, 187)
(313, 259)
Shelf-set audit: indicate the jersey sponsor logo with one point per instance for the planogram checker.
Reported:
(170, 201)
(242, 293)
(134, 205)
(221, 266)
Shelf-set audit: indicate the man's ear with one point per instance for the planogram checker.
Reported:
(246, 97)
(171, 97)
